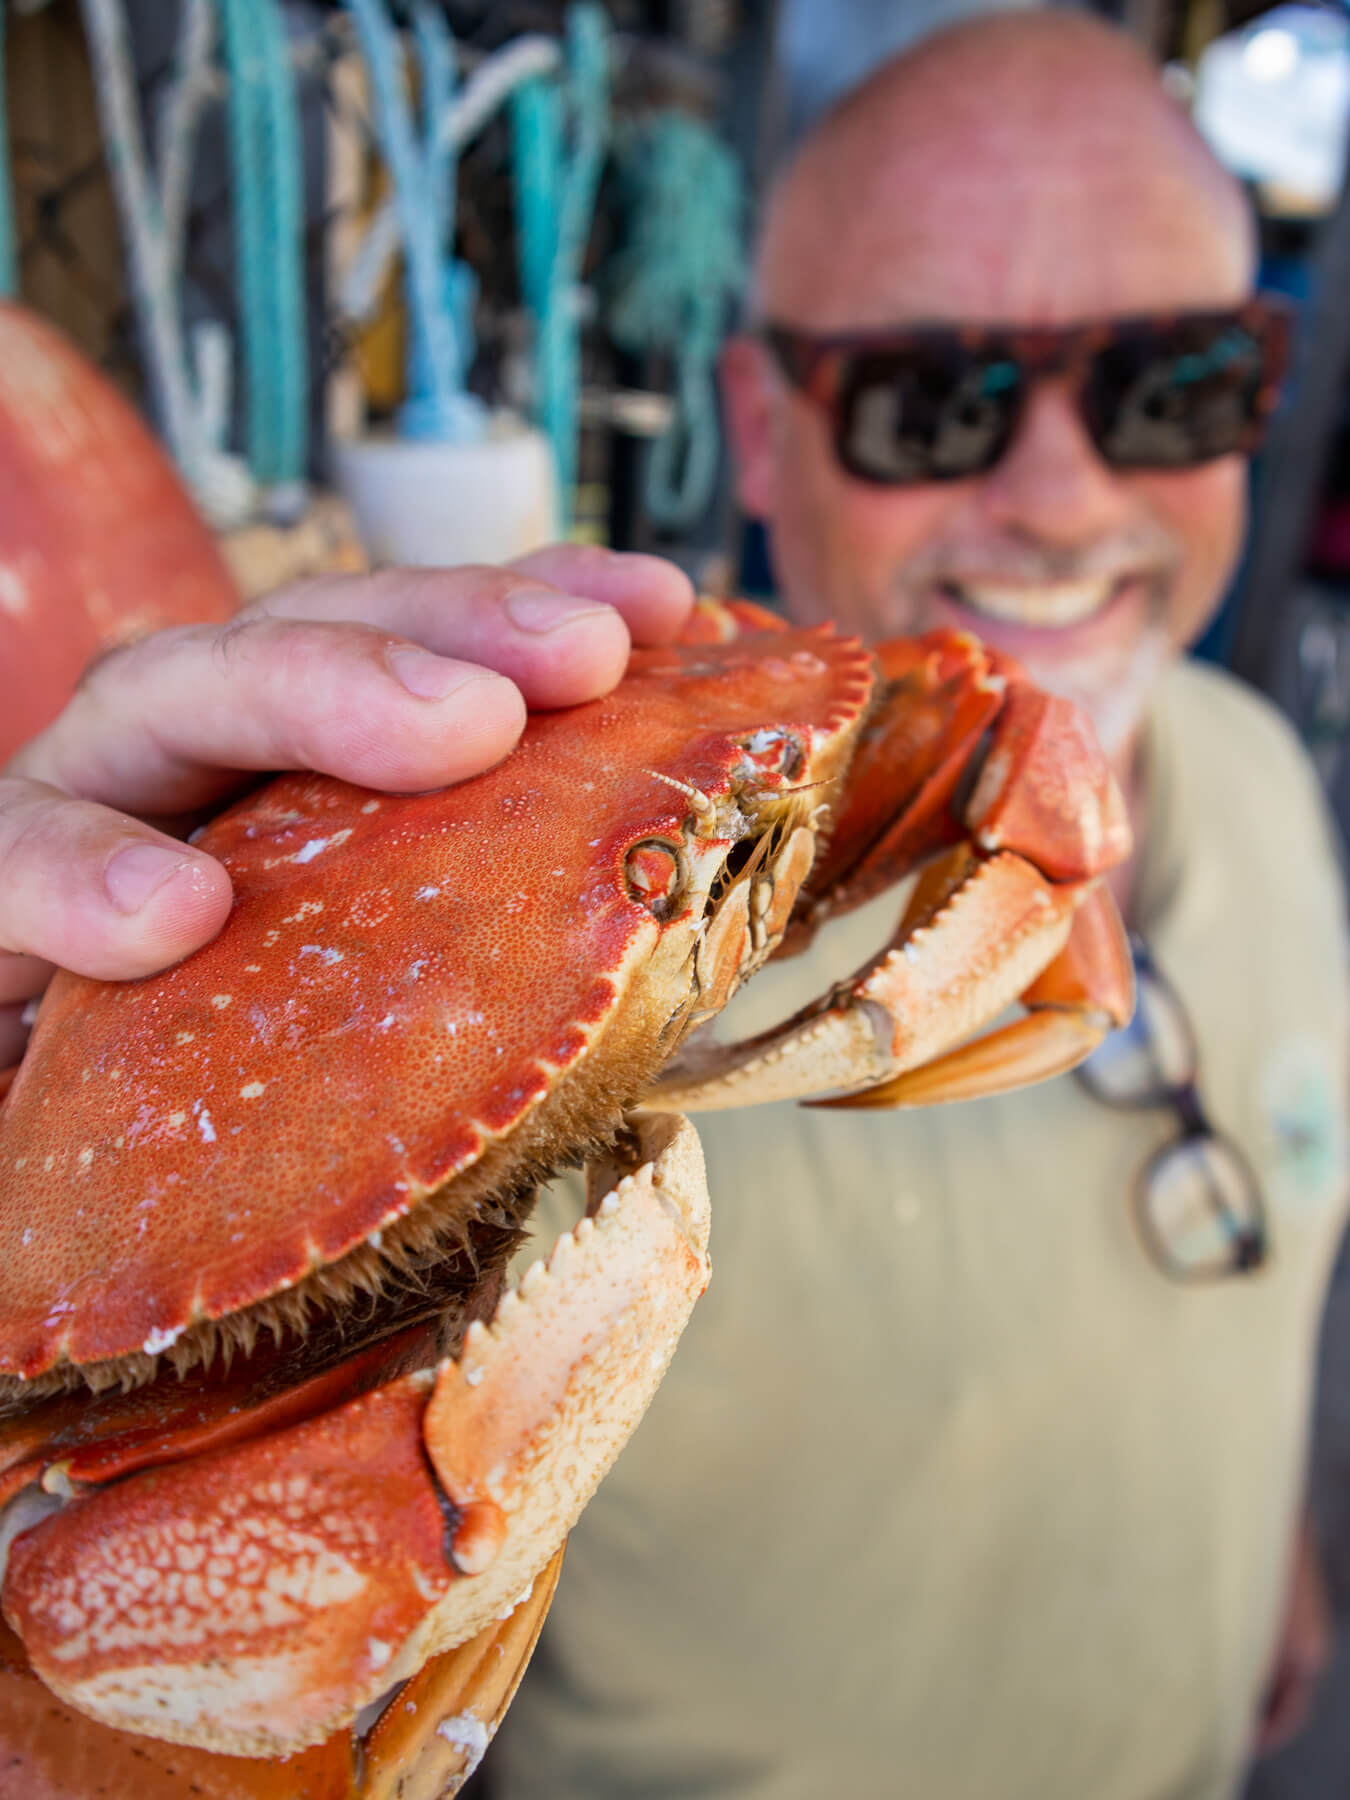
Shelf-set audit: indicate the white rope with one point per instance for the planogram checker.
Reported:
(192, 87)
(485, 91)
(219, 483)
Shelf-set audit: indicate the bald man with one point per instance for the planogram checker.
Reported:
(979, 1472)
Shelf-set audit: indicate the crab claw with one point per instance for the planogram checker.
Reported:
(255, 1599)
(426, 1742)
(1000, 793)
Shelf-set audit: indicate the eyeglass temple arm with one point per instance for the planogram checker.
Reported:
(808, 364)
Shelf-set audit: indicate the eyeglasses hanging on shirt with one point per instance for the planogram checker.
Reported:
(1196, 1200)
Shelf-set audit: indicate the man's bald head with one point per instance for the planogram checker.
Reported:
(1024, 167)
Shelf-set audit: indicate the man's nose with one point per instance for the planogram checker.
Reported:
(1051, 485)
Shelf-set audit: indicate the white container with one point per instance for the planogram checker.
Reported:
(439, 504)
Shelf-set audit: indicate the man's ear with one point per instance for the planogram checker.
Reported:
(748, 403)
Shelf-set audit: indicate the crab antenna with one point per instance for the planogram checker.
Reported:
(700, 802)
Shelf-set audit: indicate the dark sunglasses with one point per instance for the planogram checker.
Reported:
(1196, 1200)
(941, 402)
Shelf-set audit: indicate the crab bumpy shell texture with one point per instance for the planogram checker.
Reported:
(401, 981)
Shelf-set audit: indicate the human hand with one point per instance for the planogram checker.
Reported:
(1302, 1652)
(404, 680)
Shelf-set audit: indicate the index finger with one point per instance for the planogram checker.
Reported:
(559, 623)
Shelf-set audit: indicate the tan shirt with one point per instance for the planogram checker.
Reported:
(950, 1492)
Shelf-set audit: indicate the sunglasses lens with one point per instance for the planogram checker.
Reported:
(1200, 1210)
(1172, 396)
(927, 414)
(1146, 1061)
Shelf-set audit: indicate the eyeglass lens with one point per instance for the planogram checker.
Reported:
(1197, 1200)
(1160, 399)
(1164, 396)
(930, 415)
(1199, 1206)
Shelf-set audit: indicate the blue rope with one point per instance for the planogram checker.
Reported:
(556, 189)
(670, 289)
(9, 270)
(269, 227)
(439, 293)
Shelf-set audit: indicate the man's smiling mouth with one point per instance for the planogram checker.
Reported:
(1051, 604)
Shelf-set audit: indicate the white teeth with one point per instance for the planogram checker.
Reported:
(1058, 603)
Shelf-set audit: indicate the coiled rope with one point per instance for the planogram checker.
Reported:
(670, 288)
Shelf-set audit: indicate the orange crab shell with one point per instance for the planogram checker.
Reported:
(400, 982)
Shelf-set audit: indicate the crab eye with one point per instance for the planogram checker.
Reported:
(652, 870)
(774, 751)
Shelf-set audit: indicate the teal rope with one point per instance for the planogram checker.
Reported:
(556, 200)
(269, 241)
(670, 289)
(9, 262)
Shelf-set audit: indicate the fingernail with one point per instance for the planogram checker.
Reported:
(539, 610)
(139, 871)
(427, 675)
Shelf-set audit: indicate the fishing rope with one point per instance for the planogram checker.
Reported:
(189, 92)
(9, 261)
(438, 299)
(267, 181)
(219, 483)
(670, 288)
(482, 95)
(556, 189)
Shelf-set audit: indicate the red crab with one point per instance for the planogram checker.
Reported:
(274, 1454)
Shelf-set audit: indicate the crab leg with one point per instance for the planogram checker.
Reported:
(431, 1737)
(254, 1599)
(975, 936)
(986, 918)
(1085, 992)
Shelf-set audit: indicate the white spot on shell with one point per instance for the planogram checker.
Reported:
(86, 1156)
(160, 1340)
(221, 1001)
(427, 893)
(14, 597)
(468, 1734)
(252, 1089)
(205, 1126)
